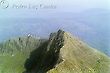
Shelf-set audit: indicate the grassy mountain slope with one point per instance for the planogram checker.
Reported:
(78, 57)
(61, 53)
(14, 52)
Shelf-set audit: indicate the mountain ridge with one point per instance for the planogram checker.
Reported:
(63, 48)
(61, 53)
(81, 57)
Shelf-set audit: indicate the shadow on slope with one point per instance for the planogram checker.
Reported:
(46, 56)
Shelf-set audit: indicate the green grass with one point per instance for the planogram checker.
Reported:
(75, 55)
(12, 64)
(78, 57)
(14, 52)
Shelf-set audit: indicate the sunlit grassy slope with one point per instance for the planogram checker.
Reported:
(62, 53)
(14, 52)
(78, 57)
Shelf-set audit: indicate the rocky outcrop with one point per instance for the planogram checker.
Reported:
(47, 55)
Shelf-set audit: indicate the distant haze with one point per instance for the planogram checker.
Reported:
(87, 19)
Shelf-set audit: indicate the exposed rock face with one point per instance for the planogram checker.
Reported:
(47, 55)
(63, 53)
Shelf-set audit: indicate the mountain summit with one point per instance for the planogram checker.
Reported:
(64, 53)
(78, 57)
(61, 53)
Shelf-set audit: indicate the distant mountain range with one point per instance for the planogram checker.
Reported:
(91, 25)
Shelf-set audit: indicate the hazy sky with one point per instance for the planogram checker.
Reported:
(61, 6)
(20, 8)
